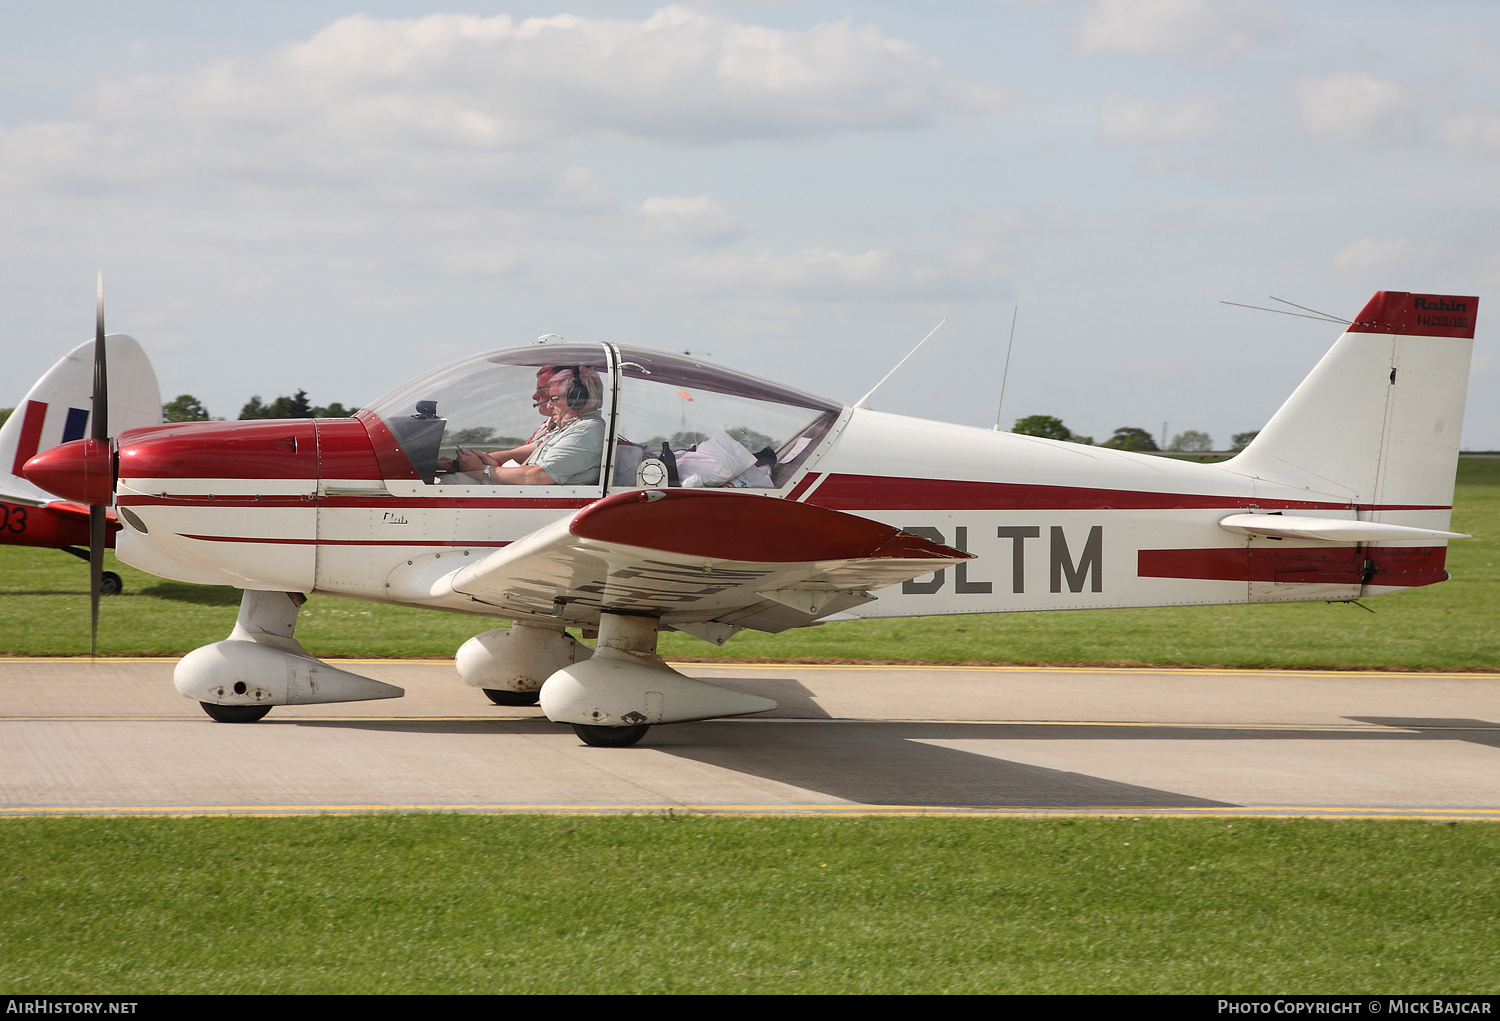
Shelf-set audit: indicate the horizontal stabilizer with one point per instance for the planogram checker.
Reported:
(1282, 526)
(687, 555)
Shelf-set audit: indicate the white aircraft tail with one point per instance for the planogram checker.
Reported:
(57, 408)
(1377, 421)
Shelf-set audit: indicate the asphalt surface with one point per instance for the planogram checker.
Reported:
(113, 737)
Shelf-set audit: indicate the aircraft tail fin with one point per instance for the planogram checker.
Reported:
(1377, 421)
(57, 408)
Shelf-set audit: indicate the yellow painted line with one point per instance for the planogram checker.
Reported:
(781, 811)
(1184, 671)
(1319, 727)
(1362, 728)
(272, 720)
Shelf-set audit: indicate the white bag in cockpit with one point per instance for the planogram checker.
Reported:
(717, 460)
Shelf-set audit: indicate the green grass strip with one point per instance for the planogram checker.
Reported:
(543, 904)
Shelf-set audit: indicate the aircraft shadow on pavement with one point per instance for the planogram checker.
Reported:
(890, 763)
(866, 763)
(1476, 731)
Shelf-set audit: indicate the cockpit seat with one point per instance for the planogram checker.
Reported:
(628, 458)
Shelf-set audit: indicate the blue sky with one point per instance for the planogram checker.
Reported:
(336, 197)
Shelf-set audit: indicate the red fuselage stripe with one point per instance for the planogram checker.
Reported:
(277, 541)
(1400, 566)
(371, 502)
(803, 484)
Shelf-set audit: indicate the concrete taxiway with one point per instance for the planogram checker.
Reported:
(113, 737)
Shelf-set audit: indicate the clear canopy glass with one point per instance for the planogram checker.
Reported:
(671, 419)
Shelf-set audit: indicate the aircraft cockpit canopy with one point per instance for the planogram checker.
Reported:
(671, 419)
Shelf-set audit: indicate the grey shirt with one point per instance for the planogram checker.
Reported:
(571, 454)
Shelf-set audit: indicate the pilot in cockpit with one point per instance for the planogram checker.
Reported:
(567, 454)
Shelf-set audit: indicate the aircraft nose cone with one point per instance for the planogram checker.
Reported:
(82, 470)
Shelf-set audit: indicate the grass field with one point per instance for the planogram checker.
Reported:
(450, 904)
(44, 612)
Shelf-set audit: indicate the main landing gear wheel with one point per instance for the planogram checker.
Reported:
(235, 713)
(500, 696)
(610, 737)
(110, 584)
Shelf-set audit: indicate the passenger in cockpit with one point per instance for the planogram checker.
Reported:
(566, 455)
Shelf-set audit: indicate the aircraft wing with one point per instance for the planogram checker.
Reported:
(705, 561)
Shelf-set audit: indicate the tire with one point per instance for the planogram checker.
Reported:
(610, 737)
(501, 696)
(110, 584)
(235, 713)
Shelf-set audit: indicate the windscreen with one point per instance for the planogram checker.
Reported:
(489, 402)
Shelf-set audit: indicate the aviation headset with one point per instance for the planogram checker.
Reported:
(578, 391)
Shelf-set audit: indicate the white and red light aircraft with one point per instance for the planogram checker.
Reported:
(792, 510)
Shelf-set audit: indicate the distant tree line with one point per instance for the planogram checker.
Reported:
(1125, 437)
(295, 406)
(187, 408)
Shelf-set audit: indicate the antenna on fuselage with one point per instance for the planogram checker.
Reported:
(1006, 374)
(864, 402)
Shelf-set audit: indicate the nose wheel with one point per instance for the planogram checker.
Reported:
(235, 713)
(609, 737)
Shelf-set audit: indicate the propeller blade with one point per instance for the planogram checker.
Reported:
(100, 427)
(97, 525)
(98, 431)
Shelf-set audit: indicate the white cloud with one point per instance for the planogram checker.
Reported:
(1197, 31)
(1352, 107)
(459, 80)
(1125, 119)
(700, 220)
(442, 108)
(832, 275)
(1369, 258)
(1476, 132)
